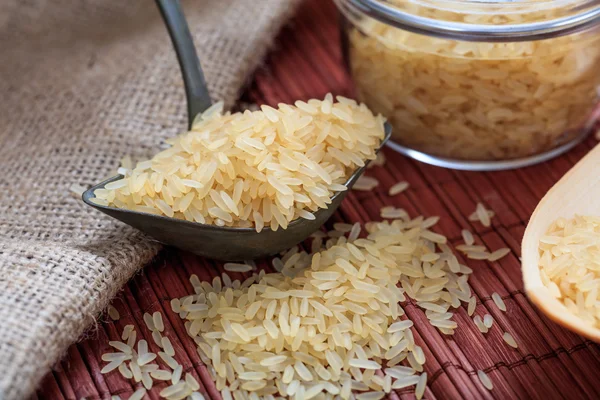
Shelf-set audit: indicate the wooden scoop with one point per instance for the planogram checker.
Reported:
(578, 192)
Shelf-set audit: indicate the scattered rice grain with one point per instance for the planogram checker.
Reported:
(508, 338)
(113, 313)
(158, 321)
(236, 267)
(398, 188)
(468, 237)
(488, 321)
(498, 254)
(485, 380)
(498, 301)
(138, 394)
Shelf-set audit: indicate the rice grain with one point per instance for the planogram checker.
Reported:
(176, 375)
(508, 338)
(398, 188)
(472, 305)
(125, 371)
(236, 267)
(262, 168)
(158, 321)
(167, 346)
(126, 332)
(149, 322)
(467, 237)
(488, 321)
(420, 388)
(138, 394)
(113, 313)
(498, 254)
(485, 380)
(498, 301)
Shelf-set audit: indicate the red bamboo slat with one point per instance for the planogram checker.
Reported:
(52, 390)
(79, 376)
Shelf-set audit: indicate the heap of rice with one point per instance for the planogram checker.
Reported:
(330, 322)
(327, 325)
(570, 265)
(475, 100)
(253, 169)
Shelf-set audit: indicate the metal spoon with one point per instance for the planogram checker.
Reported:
(222, 243)
(577, 192)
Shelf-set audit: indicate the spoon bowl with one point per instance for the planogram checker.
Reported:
(222, 243)
(577, 192)
(225, 243)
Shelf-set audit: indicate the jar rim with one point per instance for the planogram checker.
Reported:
(387, 13)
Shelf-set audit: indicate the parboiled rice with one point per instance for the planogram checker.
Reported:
(393, 213)
(161, 375)
(478, 252)
(145, 358)
(467, 237)
(141, 369)
(157, 338)
(365, 183)
(498, 301)
(478, 255)
(142, 347)
(149, 322)
(420, 388)
(176, 376)
(127, 331)
(158, 321)
(354, 232)
(125, 371)
(167, 346)
(138, 394)
(200, 396)
(379, 161)
(508, 338)
(475, 100)
(113, 313)
(329, 314)
(483, 215)
(488, 321)
(569, 265)
(472, 305)
(480, 325)
(485, 380)
(236, 267)
(498, 254)
(398, 188)
(254, 169)
(362, 281)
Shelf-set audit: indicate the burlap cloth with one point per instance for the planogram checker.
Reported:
(83, 83)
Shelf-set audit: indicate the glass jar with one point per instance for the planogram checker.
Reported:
(477, 84)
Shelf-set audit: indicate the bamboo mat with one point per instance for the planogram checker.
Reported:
(550, 363)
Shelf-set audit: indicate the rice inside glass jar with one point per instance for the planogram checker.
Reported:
(477, 80)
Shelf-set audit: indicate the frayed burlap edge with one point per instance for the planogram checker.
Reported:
(84, 84)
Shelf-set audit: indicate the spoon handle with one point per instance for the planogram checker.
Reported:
(198, 98)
